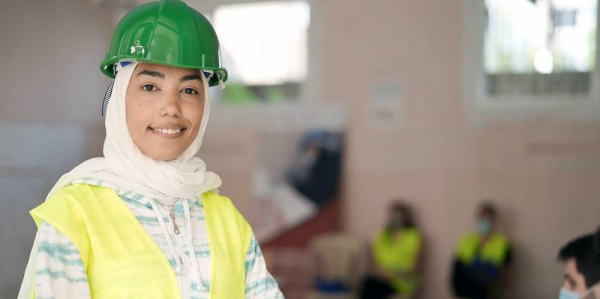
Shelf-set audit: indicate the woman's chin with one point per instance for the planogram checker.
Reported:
(163, 156)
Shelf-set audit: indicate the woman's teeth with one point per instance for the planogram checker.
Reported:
(168, 131)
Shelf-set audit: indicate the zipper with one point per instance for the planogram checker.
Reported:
(172, 216)
(186, 290)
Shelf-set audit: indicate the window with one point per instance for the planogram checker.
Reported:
(264, 48)
(532, 56)
(542, 47)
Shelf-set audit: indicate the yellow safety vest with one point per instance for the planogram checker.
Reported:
(494, 251)
(121, 259)
(399, 255)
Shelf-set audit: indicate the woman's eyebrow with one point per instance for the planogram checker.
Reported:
(152, 73)
(190, 77)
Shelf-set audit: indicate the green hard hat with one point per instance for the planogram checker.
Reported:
(166, 32)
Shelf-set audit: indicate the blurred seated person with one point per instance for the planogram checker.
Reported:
(395, 252)
(482, 258)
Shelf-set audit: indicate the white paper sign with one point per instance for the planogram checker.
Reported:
(384, 104)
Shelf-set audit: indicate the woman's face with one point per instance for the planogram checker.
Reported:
(164, 109)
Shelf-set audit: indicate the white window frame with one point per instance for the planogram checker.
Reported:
(483, 108)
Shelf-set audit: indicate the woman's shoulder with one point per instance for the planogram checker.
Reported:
(77, 198)
(74, 192)
(214, 194)
(216, 200)
(221, 214)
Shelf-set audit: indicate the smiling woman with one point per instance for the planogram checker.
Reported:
(165, 107)
(145, 220)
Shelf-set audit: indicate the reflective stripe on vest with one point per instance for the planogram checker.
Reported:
(399, 255)
(494, 251)
(122, 260)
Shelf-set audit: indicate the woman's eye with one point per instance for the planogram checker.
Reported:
(149, 87)
(190, 91)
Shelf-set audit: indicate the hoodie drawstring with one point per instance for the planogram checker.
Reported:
(196, 268)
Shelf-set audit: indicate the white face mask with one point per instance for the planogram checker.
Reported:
(483, 227)
(567, 294)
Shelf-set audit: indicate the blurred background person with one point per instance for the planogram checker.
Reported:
(482, 258)
(396, 251)
(581, 258)
(317, 170)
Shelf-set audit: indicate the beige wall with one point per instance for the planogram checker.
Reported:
(50, 52)
(52, 49)
(50, 104)
(543, 173)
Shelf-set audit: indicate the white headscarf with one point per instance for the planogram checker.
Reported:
(125, 165)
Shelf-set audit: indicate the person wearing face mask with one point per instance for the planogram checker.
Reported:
(145, 220)
(481, 259)
(581, 258)
(395, 252)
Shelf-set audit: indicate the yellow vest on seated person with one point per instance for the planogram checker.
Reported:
(121, 259)
(494, 251)
(399, 255)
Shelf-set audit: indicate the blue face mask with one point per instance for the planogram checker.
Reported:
(566, 294)
(483, 227)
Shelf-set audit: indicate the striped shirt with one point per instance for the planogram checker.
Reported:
(60, 272)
